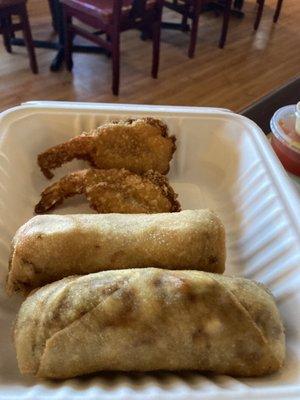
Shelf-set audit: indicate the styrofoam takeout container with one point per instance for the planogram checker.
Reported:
(224, 162)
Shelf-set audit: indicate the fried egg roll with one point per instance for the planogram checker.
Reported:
(146, 320)
(51, 247)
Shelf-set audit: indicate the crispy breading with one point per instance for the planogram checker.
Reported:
(135, 144)
(113, 190)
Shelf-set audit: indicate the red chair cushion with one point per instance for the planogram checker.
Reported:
(102, 8)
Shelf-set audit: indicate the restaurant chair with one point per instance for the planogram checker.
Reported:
(111, 17)
(260, 9)
(9, 8)
(191, 9)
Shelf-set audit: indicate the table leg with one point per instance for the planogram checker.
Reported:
(238, 4)
(60, 57)
(58, 18)
(53, 15)
(42, 44)
(57, 61)
(175, 26)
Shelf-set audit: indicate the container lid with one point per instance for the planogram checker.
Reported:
(283, 127)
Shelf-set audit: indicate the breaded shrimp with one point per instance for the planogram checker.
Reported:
(138, 145)
(113, 191)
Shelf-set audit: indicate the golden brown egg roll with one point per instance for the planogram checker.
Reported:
(51, 247)
(149, 319)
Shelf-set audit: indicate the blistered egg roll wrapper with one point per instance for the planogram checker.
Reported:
(51, 247)
(146, 320)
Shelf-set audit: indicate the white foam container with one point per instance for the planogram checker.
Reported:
(223, 161)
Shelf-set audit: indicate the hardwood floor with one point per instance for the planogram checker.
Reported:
(251, 64)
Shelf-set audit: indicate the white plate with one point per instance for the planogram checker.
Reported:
(224, 162)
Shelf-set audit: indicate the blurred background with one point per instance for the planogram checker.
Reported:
(250, 65)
